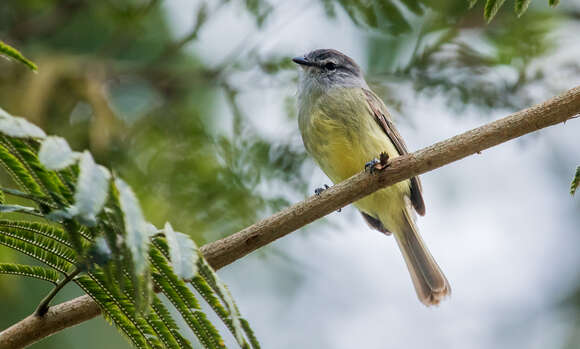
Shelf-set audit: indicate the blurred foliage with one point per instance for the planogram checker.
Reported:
(84, 223)
(115, 80)
(10, 52)
(575, 181)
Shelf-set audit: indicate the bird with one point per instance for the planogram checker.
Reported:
(343, 125)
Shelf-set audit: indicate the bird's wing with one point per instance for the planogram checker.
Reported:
(383, 118)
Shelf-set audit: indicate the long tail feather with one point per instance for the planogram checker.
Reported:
(429, 281)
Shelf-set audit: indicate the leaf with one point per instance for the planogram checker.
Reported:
(16, 126)
(111, 309)
(136, 227)
(17, 208)
(100, 252)
(575, 181)
(11, 52)
(183, 253)
(56, 154)
(554, 3)
(491, 8)
(37, 272)
(472, 3)
(414, 6)
(521, 6)
(184, 300)
(42, 248)
(220, 289)
(18, 172)
(92, 190)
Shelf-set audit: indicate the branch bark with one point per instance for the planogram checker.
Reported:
(227, 250)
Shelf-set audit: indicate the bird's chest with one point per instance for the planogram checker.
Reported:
(341, 143)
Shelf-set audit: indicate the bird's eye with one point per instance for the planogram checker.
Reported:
(330, 66)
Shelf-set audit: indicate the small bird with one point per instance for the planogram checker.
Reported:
(344, 125)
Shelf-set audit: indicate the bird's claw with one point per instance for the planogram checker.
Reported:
(371, 166)
(319, 191)
(376, 164)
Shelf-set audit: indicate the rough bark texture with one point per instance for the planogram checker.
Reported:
(231, 248)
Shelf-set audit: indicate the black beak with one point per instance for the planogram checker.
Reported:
(302, 61)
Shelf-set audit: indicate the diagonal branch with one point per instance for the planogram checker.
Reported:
(225, 251)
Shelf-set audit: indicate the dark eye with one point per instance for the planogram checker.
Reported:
(330, 66)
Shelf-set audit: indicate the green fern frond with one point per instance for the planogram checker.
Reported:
(124, 302)
(18, 172)
(491, 8)
(209, 295)
(48, 180)
(575, 181)
(47, 230)
(163, 313)
(37, 272)
(184, 301)
(43, 253)
(112, 311)
(11, 52)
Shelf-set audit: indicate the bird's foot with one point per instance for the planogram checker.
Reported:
(319, 191)
(377, 164)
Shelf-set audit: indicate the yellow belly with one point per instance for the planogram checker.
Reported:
(345, 137)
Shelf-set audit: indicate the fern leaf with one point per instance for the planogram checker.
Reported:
(521, 6)
(575, 181)
(47, 230)
(11, 52)
(472, 3)
(207, 272)
(42, 251)
(37, 272)
(47, 180)
(112, 311)
(209, 295)
(491, 8)
(19, 173)
(184, 301)
(166, 318)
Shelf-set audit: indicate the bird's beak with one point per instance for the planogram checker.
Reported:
(302, 61)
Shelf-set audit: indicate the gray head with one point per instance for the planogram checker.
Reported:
(327, 68)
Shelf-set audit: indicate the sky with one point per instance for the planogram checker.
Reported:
(502, 225)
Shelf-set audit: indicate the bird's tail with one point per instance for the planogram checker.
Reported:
(429, 281)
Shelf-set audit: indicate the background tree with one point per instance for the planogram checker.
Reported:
(115, 80)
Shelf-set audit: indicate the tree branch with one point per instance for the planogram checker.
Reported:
(227, 250)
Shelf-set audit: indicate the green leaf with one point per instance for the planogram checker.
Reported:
(183, 253)
(491, 8)
(18, 172)
(48, 181)
(554, 3)
(472, 3)
(56, 154)
(46, 250)
(91, 191)
(112, 310)
(184, 300)
(16, 126)
(521, 6)
(224, 294)
(11, 52)
(17, 208)
(37, 272)
(136, 228)
(575, 181)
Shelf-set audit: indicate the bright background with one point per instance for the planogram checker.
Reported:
(207, 135)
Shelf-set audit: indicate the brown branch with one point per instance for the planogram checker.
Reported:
(227, 250)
